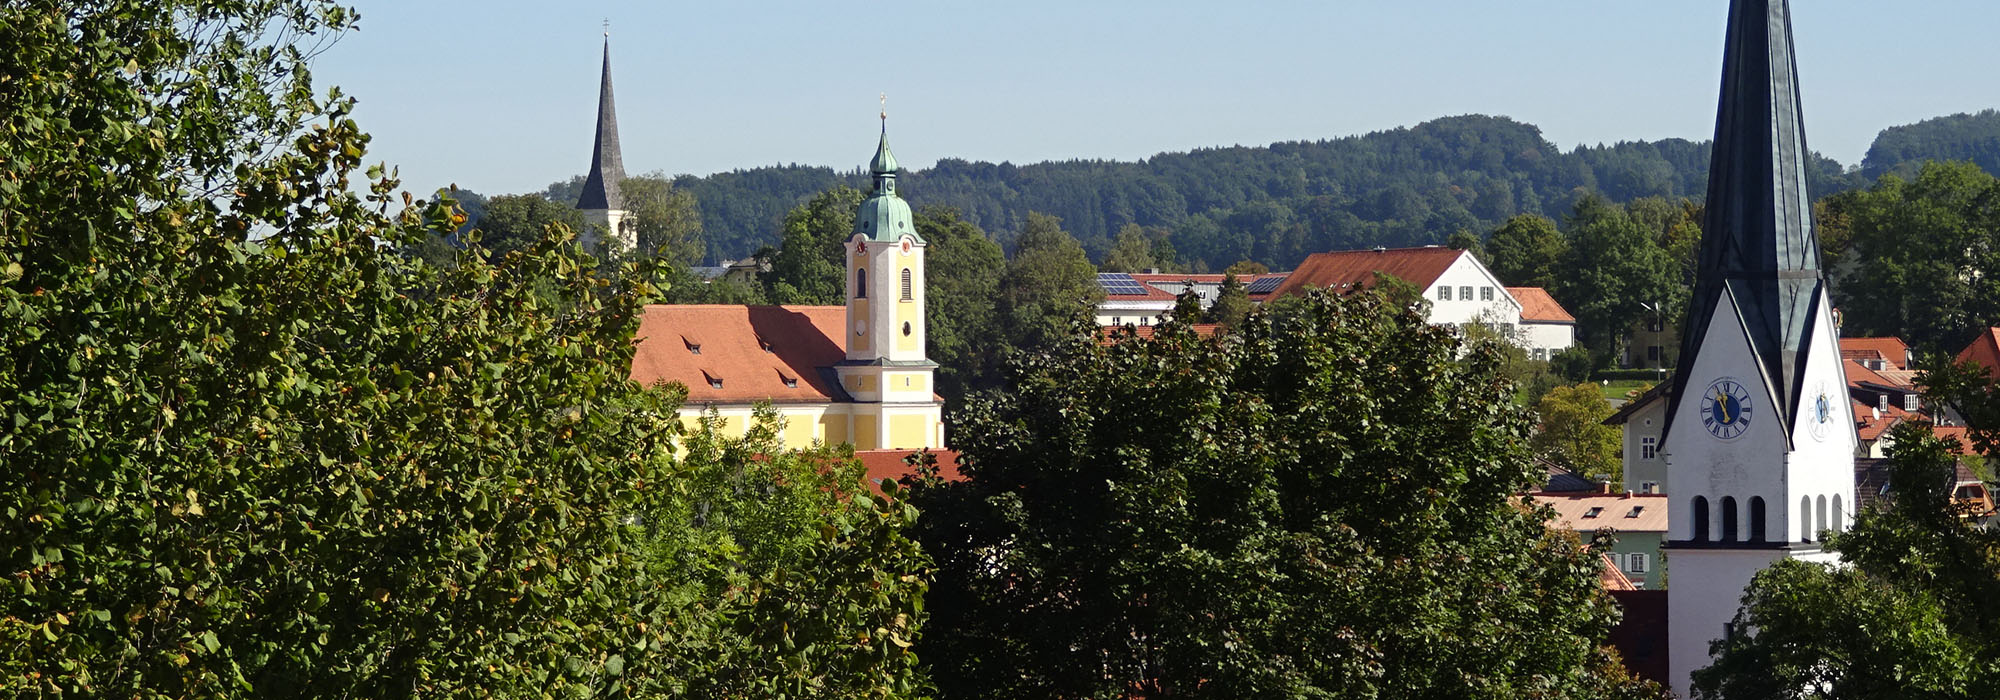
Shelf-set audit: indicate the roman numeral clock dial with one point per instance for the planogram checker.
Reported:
(1726, 409)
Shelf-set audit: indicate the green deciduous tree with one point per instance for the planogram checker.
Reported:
(1131, 251)
(1322, 508)
(1526, 252)
(1232, 302)
(665, 220)
(1048, 282)
(1926, 255)
(780, 575)
(513, 222)
(1572, 432)
(810, 264)
(1614, 270)
(252, 450)
(962, 270)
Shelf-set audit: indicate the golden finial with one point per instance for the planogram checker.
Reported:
(885, 110)
(607, 27)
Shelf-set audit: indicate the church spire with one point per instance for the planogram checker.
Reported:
(607, 166)
(883, 165)
(1758, 248)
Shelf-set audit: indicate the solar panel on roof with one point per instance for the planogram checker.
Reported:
(1265, 285)
(1120, 284)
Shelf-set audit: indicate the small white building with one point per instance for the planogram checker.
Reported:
(1145, 299)
(1460, 289)
(1546, 327)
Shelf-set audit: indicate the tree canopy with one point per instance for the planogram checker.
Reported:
(1321, 507)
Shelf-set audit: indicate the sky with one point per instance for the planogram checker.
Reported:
(499, 96)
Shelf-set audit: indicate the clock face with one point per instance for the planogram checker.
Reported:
(1819, 412)
(1725, 408)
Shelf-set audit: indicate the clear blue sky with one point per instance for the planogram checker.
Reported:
(499, 96)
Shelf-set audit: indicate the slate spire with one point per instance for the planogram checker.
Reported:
(1758, 246)
(607, 166)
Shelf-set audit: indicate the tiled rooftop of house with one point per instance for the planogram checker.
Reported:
(1637, 512)
(1537, 306)
(1348, 270)
(742, 354)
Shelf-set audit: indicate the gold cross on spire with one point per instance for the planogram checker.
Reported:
(885, 109)
(607, 27)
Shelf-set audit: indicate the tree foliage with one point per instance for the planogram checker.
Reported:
(1572, 432)
(1615, 270)
(253, 449)
(1527, 252)
(1320, 508)
(962, 269)
(1926, 256)
(810, 265)
(1048, 283)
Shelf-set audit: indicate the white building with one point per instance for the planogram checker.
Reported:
(1758, 439)
(1460, 289)
(1145, 299)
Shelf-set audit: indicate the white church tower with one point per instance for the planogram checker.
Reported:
(1759, 441)
(606, 226)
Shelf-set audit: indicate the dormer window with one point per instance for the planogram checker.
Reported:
(762, 343)
(714, 382)
(1635, 511)
(790, 381)
(1594, 511)
(693, 347)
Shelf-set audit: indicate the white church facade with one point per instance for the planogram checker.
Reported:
(1757, 449)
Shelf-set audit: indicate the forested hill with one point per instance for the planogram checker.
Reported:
(1973, 137)
(1408, 186)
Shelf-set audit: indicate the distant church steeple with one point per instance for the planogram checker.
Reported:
(1758, 245)
(1759, 439)
(602, 204)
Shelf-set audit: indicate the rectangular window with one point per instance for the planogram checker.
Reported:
(1636, 563)
(1653, 353)
(1117, 321)
(1648, 447)
(1911, 402)
(1656, 325)
(1444, 293)
(1541, 353)
(1486, 294)
(1617, 560)
(1465, 292)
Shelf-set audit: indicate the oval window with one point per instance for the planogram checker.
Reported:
(906, 328)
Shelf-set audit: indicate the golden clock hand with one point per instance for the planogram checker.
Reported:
(1722, 406)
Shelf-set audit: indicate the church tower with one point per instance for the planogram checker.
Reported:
(887, 371)
(1759, 441)
(604, 215)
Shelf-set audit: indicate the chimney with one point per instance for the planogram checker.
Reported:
(1628, 493)
(1604, 488)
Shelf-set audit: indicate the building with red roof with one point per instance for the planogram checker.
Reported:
(855, 373)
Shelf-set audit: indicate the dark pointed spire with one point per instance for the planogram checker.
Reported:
(607, 166)
(1758, 243)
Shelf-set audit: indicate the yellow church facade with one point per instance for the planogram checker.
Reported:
(855, 373)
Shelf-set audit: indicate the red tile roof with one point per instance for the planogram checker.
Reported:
(1890, 349)
(888, 465)
(1858, 375)
(756, 352)
(1869, 426)
(1348, 270)
(1984, 351)
(1612, 578)
(1615, 511)
(1538, 307)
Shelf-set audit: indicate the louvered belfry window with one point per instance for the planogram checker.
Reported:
(906, 284)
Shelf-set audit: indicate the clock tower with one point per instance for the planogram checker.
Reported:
(1759, 442)
(887, 372)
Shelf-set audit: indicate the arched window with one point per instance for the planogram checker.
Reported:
(1820, 509)
(1839, 519)
(1700, 519)
(861, 284)
(1729, 518)
(906, 284)
(1756, 518)
(1805, 519)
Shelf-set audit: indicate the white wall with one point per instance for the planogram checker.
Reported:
(1764, 461)
(1645, 423)
(1489, 301)
(1548, 338)
(1137, 313)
